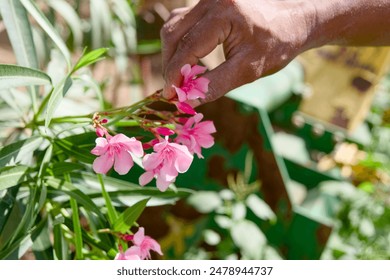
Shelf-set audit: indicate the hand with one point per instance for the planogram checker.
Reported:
(259, 37)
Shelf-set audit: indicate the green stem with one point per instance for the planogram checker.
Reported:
(112, 214)
(76, 224)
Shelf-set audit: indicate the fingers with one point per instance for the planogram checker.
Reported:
(234, 72)
(200, 40)
(180, 21)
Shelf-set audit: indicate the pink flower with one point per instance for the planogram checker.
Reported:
(195, 134)
(167, 161)
(143, 245)
(185, 108)
(126, 256)
(115, 151)
(192, 87)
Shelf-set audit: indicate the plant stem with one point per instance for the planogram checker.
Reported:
(112, 214)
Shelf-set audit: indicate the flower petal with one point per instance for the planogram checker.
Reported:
(196, 70)
(185, 108)
(202, 84)
(139, 236)
(102, 164)
(162, 184)
(101, 146)
(123, 162)
(181, 94)
(146, 178)
(195, 94)
(186, 71)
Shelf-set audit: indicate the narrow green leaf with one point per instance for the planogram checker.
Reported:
(18, 151)
(112, 214)
(29, 237)
(12, 175)
(45, 24)
(78, 239)
(62, 187)
(60, 245)
(56, 97)
(59, 168)
(77, 229)
(90, 58)
(127, 219)
(70, 16)
(12, 76)
(19, 32)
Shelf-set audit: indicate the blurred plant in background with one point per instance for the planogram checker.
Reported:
(84, 56)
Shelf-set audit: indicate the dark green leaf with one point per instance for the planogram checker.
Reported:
(127, 219)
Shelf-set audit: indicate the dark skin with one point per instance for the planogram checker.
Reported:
(260, 37)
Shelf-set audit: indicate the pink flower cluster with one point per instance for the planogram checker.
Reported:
(171, 155)
(142, 245)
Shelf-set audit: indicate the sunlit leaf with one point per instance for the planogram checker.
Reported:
(18, 151)
(56, 97)
(90, 58)
(12, 76)
(12, 175)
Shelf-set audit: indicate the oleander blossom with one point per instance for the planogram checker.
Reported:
(192, 86)
(126, 256)
(195, 134)
(165, 163)
(143, 244)
(115, 151)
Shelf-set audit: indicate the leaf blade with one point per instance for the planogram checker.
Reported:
(127, 219)
(12, 76)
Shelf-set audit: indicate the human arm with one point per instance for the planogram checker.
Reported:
(260, 37)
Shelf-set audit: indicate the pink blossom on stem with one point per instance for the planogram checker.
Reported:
(185, 108)
(195, 134)
(116, 151)
(143, 244)
(192, 86)
(167, 161)
(126, 256)
(165, 131)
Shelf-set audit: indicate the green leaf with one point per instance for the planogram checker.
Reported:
(19, 32)
(62, 187)
(45, 24)
(59, 168)
(12, 175)
(70, 16)
(112, 214)
(56, 97)
(79, 151)
(127, 219)
(18, 151)
(12, 76)
(90, 58)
